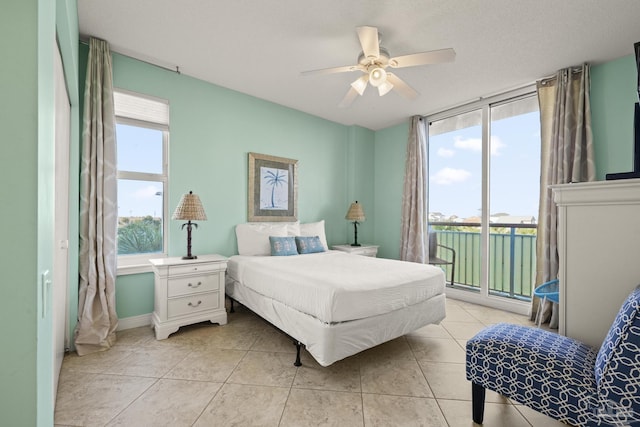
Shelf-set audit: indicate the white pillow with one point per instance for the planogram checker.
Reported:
(314, 229)
(253, 237)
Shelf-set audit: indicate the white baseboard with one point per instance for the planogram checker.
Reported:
(134, 322)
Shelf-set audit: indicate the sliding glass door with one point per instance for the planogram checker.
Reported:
(484, 174)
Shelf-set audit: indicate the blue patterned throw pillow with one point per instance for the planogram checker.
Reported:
(283, 246)
(309, 245)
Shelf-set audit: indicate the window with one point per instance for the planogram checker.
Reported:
(484, 178)
(142, 134)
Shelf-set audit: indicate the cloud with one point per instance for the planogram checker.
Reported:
(448, 176)
(496, 145)
(147, 192)
(475, 144)
(445, 152)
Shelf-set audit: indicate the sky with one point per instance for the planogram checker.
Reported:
(139, 149)
(455, 169)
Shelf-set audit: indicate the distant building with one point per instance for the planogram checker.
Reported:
(514, 219)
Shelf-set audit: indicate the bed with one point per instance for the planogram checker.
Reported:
(334, 303)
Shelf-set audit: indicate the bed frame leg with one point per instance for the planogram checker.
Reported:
(231, 310)
(298, 345)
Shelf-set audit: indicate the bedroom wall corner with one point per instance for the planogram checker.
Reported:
(389, 158)
(360, 182)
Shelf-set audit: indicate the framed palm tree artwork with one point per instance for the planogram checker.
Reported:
(273, 188)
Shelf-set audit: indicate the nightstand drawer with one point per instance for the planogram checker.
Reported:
(192, 284)
(193, 304)
(194, 268)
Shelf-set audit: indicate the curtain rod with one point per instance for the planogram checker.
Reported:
(85, 40)
(574, 70)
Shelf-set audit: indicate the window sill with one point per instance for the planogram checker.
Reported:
(134, 269)
(138, 265)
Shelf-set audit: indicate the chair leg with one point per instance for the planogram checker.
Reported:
(453, 269)
(477, 394)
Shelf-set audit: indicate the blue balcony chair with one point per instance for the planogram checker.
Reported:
(546, 291)
(435, 257)
(559, 376)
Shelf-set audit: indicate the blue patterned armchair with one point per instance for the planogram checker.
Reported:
(559, 376)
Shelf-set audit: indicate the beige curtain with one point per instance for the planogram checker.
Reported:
(566, 156)
(414, 239)
(97, 319)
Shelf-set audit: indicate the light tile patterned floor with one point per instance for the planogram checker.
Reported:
(242, 374)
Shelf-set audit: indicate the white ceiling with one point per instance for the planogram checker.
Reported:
(259, 47)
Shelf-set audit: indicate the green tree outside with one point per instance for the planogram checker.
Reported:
(143, 236)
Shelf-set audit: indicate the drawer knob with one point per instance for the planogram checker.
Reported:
(197, 285)
(194, 305)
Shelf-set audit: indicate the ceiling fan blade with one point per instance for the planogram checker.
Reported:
(401, 87)
(423, 58)
(348, 98)
(369, 41)
(345, 69)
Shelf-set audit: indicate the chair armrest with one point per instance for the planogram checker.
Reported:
(448, 248)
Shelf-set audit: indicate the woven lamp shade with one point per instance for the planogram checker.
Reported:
(190, 208)
(355, 212)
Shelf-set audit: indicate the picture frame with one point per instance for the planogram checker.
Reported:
(273, 188)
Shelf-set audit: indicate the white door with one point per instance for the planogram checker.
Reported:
(61, 253)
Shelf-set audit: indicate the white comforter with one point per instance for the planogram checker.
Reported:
(335, 286)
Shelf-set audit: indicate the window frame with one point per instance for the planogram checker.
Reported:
(139, 263)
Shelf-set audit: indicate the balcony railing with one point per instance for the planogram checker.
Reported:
(512, 256)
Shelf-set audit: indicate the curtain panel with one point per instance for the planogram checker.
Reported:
(97, 319)
(567, 155)
(414, 237)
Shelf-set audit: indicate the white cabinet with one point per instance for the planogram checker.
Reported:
(187, 292)
(599, 251)
(366, 250)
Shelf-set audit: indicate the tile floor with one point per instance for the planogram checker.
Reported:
(242, 374)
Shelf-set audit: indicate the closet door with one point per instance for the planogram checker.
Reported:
(61, 253)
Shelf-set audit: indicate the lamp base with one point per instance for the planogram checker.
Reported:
(356, 244)
(190, 257)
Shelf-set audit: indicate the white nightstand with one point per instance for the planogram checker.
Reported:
(366, 250)
(187, 292)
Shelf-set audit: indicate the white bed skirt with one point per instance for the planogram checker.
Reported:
(328, 343)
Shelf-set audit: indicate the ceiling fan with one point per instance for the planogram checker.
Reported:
(373, 61)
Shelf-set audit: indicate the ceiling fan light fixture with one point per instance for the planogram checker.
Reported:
(384, 88)
(360, 84)
(377, 76)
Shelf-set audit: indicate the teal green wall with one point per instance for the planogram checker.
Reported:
(390, 151)
(19, 167)
(27, 36)
(134, 295)
(212, 131)
(360, 164)
(613, 95)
